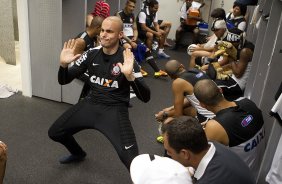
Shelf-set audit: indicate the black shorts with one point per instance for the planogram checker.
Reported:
(142, 34)
(230, 88)
(188, 28)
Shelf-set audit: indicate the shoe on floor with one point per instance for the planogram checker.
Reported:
(163, 55)
(72, 158)
(167, 44)
(160, 74)
(160, 139)
(144, 73)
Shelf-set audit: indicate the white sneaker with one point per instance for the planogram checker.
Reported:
(163, 55)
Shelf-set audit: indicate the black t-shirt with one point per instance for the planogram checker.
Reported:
(89, 42)
(241, 122)
(193, 76)
(107, 84)
(149, 19)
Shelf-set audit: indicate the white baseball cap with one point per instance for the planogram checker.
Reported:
(153, 169)
(219, 24)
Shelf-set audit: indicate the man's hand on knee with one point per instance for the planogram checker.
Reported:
(3, 151)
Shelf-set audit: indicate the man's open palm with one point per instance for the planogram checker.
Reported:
(67, 53)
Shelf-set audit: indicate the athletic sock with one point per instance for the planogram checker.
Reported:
(151, 61)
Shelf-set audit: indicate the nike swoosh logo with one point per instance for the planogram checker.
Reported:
(127, 147)
(94, 64)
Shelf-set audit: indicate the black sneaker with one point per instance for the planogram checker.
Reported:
(72, 158)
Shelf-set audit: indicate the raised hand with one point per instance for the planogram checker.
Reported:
(68, 53)
(127, 66)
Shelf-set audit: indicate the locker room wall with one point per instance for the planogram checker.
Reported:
(7, 39)
(265, 76)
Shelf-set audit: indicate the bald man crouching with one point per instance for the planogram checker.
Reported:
(110, 71)
(237, 124)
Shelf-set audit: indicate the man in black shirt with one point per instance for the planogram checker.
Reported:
(111, 71)
(186, 142)
(238, 124)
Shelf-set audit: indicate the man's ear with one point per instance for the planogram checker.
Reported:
(121, 35)
(185, 154)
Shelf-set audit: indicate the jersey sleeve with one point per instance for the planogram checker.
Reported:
(142, 18)
(66, 75)
(156, 18)
(139, 86)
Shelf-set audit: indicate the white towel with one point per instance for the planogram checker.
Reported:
(255, 16)
(277, 108)
(274, 175)
(6, 91)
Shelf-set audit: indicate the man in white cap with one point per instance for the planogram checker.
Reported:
(153, 169)
(233, 36)
(219, 27)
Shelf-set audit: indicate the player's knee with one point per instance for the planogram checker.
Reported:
(127, 46)
(149, 36)
(3, 152)
(52, 133)
(168, 24)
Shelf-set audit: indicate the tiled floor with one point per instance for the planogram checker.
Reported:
(10, 75)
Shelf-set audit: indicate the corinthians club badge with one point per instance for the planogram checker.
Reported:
(115, 70)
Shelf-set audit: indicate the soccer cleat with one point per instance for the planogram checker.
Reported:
(72, 158)
(160, 139)
(144, 73)
(160, 74)
(163, 55)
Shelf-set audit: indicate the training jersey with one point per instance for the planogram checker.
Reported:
(234, 36)
(145, 17)
(107, 84)
(128, 21)
(193, 76)
(237, 22)
(89, 42)
(244, 127)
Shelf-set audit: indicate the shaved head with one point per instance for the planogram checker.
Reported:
(96, 22)
(246, 54)
(207, 92)
(116, 20)
(172, 67)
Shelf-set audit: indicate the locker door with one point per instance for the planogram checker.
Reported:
(45, 32)
(272, 80)
(73, 22)
(263, 43)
